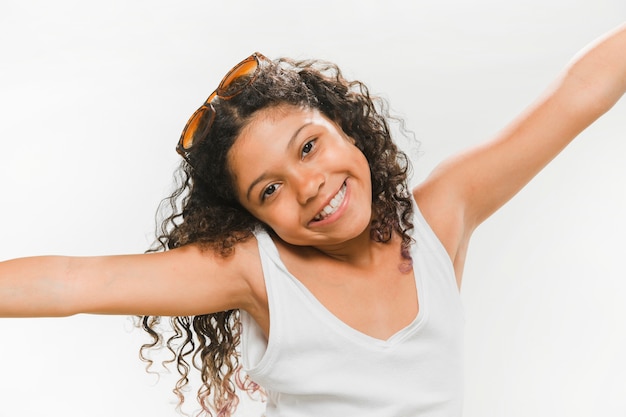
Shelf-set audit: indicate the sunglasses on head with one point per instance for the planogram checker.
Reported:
(231, 85)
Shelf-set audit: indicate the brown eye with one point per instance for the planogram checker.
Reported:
(271, 189)
(308, 147)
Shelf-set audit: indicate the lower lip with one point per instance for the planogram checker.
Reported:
(337, 214)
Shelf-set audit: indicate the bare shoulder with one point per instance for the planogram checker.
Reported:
(237, 276)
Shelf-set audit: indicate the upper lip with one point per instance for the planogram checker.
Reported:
(327, 201)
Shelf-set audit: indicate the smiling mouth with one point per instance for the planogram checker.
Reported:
(333, 205)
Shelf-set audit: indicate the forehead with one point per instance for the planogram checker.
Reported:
(268, 133)
(275, 122)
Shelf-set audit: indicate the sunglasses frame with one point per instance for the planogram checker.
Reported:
(188, 139)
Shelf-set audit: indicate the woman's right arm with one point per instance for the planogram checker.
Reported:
(180, 282)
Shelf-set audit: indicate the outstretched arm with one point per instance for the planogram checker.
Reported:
(465, 190)
(184, 281)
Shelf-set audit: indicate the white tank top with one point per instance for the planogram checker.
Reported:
(315, 365)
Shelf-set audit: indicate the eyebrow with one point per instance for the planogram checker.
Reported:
(264, 175)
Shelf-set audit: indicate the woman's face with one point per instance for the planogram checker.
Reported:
(296, 171)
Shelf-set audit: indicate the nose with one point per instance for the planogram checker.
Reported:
(308, 184)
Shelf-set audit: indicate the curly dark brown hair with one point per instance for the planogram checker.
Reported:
(204, 209)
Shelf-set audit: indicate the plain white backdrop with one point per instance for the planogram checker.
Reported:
(93, 96)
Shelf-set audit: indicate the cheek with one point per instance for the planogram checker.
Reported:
(278, 216)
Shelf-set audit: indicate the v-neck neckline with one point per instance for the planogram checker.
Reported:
(341, 326)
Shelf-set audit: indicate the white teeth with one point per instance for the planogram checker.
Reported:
(333, 205)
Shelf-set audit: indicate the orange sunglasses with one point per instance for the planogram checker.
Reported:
(201, 120)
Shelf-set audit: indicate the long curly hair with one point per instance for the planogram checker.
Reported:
(204, 209)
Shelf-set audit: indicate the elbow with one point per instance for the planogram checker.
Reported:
(591, 91)
(585, 100)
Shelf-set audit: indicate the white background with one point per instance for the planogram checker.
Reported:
(93, 96)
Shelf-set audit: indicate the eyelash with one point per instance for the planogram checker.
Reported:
(304, 152)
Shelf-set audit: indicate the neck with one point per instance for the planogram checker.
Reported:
(359, 251)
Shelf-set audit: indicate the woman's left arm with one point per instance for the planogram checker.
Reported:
(484, 178)
(466, 189)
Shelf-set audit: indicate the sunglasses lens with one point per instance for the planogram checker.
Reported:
(197, 126)
(238, 78)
